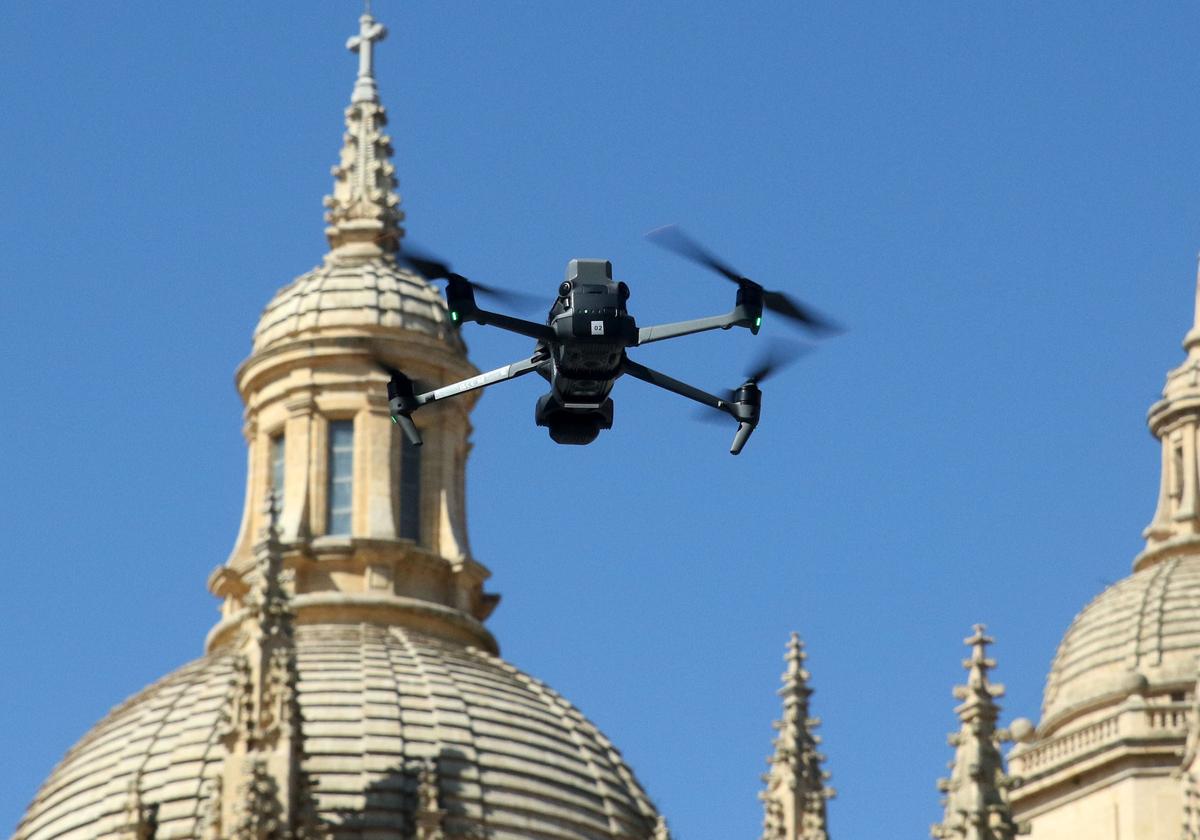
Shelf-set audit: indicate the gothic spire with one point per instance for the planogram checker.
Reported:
(261, 722)
(1175, 421)
(795, 794)
(363, 211)
(976, 800)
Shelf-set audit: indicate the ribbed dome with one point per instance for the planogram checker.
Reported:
(514, 759)
(1141, 634)
(373, 293)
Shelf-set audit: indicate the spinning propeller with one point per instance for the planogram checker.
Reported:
(674, 239)
(747, 397)
(778, 355)
(432, 268)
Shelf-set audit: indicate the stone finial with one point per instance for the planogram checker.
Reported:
(429, 817)
(1189, 770)
(794, 800)
(256, 809)
(1175, 421)
(138, 818)
(260, 726)
(363, 212)
(209, 827)
(268, 598)
(976, 803)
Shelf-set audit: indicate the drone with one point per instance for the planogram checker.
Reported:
(581, 348)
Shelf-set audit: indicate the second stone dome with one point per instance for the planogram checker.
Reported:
(512, 758)
(1141, 635)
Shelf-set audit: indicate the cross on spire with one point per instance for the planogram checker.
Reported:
(364, 211)
(978, 664)
(369, 31)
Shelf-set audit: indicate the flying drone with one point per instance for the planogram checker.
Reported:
(581, 349)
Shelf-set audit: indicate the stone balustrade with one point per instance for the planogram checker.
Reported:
(1135, 721)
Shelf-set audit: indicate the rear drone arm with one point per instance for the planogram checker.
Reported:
(402, 401)
(538, 332)
(746, 414)
(460, 300)
(746, 313)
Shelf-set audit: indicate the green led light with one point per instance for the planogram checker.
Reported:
(758, 321)
(395, 421)
(453, 315)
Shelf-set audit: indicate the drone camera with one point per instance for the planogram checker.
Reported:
(576, 426)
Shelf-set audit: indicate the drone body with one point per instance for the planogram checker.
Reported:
(581, 349)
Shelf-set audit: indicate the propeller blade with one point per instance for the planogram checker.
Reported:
(780, 303)
(418, 386)
(432, 268)
(427, 265)
(778, 355)
(675, 240)
(523, 301)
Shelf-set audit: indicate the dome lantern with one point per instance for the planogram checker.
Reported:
(1175, 421)
(371, 526)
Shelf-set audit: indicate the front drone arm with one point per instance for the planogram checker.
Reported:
(501, 374)
(747, 312)
(402, 401)
(745, 413)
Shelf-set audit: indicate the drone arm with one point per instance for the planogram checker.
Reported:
(740, 316)
(675, 386)
(502, 374)
(746, 416)
(538, 332)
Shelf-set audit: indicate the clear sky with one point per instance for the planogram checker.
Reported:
(1001, 201)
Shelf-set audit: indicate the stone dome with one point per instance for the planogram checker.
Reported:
(374, 294)
(513, 758)
(1141, 635)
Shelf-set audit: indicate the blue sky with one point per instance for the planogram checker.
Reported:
(999, 201)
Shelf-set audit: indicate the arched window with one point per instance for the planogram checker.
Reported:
(277, 467)
(340, 491)
(410, 490)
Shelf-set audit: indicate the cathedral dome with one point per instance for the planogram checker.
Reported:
(372, 294)
(1139, 636)
(511, 757)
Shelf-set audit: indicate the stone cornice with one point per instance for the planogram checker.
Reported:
(372, 607)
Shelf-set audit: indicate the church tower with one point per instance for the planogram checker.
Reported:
(349, 687)
(1113, 756)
